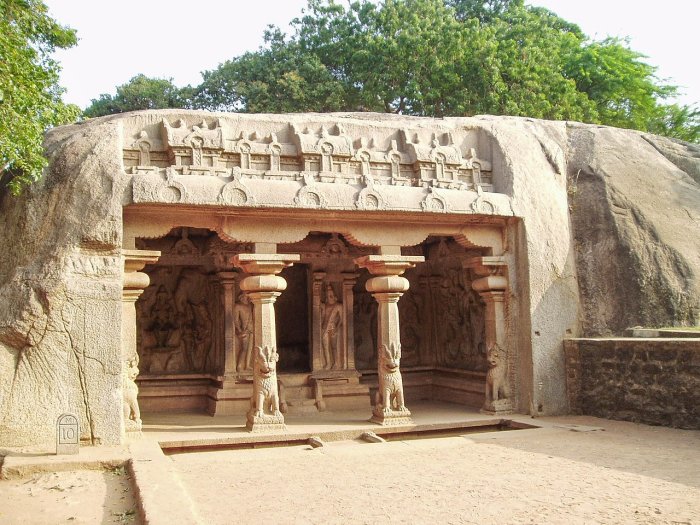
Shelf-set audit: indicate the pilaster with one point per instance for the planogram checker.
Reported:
(316, 328)
(228, 285)
(349, 280)
(134, 283)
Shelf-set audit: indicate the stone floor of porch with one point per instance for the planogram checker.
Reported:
(177, 432)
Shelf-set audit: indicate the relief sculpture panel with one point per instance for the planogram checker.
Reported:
(175, 322)
(458, 310)
(365, 336)
(442, 317)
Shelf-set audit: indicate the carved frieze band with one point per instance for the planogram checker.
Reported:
(331, 155)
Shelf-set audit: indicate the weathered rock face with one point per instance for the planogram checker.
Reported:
(599, 234)
(636, 218)
(60, 292)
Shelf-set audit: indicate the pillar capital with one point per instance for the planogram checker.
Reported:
(264, 263)
(135, 260)
(263, 285)
(486, 265)
(228, 277)
(388, 264)
(490, 272)
(134, 281)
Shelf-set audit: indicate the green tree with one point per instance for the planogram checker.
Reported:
(141, 92)
(678, 121)
(623, 87)
(278, 78)
(30, 96)
(437, 58)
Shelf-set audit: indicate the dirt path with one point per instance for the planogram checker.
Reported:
(625, 474)
(78, 497)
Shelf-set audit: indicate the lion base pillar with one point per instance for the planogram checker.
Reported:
(387, 287)
(263, 286)
(491, 284)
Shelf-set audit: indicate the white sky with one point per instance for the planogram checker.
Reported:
(177, 39)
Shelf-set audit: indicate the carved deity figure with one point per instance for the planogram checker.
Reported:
(243, 324)
(191, 300)
(365, 337)
(265, 400)
(331, 322)
(389, 400)
(132, 414)
(162, 318)
(144, 146)
(411, 335)
(197, 143)
(496, 377)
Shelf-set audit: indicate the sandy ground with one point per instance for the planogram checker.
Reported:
(77, 497)
(625, 474)
(576, 470)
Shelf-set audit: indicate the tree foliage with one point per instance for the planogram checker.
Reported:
(141, 92)
(30, 97)
(278, 78)
(440, 58)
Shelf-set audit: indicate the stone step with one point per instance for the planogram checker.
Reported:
(299, 392)
(302, 409)
(300, 400)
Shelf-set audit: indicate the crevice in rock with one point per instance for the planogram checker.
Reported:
(83, 383)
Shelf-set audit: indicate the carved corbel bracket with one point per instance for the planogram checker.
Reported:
(486, 266)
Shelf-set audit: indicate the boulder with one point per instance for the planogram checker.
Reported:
(603, 235)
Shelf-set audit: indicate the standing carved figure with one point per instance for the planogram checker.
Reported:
(162, 318)
(132, 414)
(243, 324)
(496, 378)
(331, 322)
(389, 400)
(265, 404)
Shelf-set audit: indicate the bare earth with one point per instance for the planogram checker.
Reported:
(78, 497)
(626, 474)
(571, 472)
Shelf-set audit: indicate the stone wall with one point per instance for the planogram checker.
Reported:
(654, 381)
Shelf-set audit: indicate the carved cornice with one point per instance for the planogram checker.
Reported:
(217, 148)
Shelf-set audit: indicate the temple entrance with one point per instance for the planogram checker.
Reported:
(292, 311)
(195, 326)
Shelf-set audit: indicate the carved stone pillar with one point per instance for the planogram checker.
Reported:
(491, 284)
(228, 285)
(135, 282)
(316, 328)
(263, 286)
(387, 288)
(349, 280)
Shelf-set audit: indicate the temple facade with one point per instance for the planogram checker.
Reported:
(265, 265)
(316, 266)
